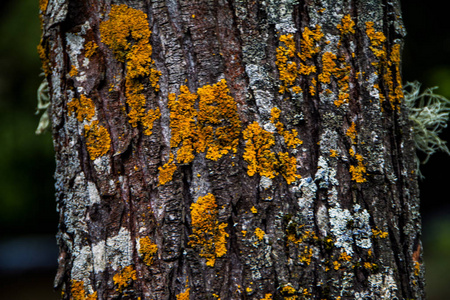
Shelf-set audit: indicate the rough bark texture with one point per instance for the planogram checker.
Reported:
(333, 216)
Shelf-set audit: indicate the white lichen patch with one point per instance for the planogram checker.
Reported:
(99, 256)
(325, 175)
(350, 229)
(339, 220)
(119, 249)
(94, 197)
(82, 263)
(381, 286)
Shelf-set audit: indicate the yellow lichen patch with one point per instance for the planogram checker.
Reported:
(377, 39)
(396, 95)
(84, 108)
(42, 51)
(73, 71)
(147, 249)
(308, 41)
(98, 140)
(214, 128)
(254, 210)
(333, 153)
(288, 167)
(336, 265)
(183, 123)
(259, 233)
(43, 5)
(127, 34)
(78, 292)
(124, 278)
(290, 137)
(90, 48)
(289, 293)
(149, 118)
(416, 268)
(306, 256)
(267, 297)
(166, 171)
(208, 234)
(359, 171)
(351, 132)
(378, 233)
(219, 125)
(346, 26)
(257, 153)
(184, 295)
(328, 67)
(287, 68)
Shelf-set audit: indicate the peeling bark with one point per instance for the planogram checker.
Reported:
(317, 199)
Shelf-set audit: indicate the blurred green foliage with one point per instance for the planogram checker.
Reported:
(26, 160)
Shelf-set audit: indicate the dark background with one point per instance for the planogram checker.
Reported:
(28, 218)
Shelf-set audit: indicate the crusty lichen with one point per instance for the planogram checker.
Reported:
(127, 34)
(287, 68)
(124, 278)
(83, 107)
(347, 25)
(78, 291)
(147, 249)
(214, 128)
(98, 140)
(262, 160)
(258, 154)
(208, 235)
(184, 295)
(90, 48)
(167, 170)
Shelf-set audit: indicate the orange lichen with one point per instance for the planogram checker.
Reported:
(306, 256)
(351, 132)
(84, 108)
(359, 171)
(90, 48)
(207, 233)
(333, 153)
(289, 293)
(184, 295)
(147, 249)
(308, 41)
(214, 128)
(254, 210)
(378, 233)
(127, 34)
(290, 137)
(267, 297)
(259, 233)
(43, 55)
(346, 26)
(328, 67)
(98, 140)
(124, 278)
(73, 71)
(219, 126)
(148, 119)
(166, 171)
(43, 5)
(257, 153)
(345, 257)
(78, 292)
(288, 167)
(287, 68)
(183, 123)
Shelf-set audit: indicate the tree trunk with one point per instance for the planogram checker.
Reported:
(232, 149)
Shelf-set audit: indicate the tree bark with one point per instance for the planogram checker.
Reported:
(232, 149)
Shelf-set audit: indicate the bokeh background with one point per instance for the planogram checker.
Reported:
(28, 218)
